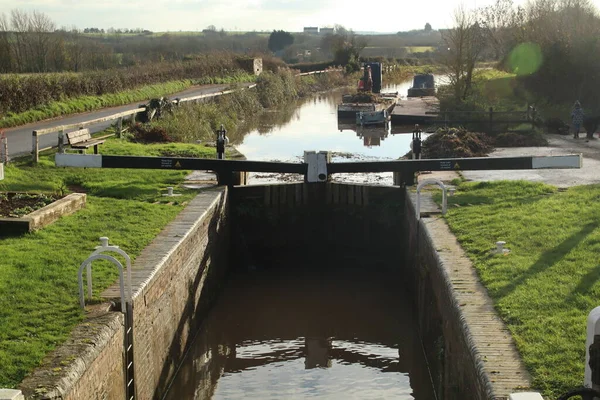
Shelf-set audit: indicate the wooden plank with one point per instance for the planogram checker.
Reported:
(416, 106)
(358, 195)
(267, 195)
(343, 194)
(328, 193)
(283, 195)
(336, 193)
(290, 195)
(305, 194)
(87, 144)
(274, 197)
(298, 194)
(78, 136)
(350, 194)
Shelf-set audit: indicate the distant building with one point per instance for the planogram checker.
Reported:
(311, 30)
(327, 31)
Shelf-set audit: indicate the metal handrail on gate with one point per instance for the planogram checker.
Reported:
(444, 196)
(97, 255)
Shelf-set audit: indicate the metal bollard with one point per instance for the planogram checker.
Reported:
(222, 141)
(592, 351)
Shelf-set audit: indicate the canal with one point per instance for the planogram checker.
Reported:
(326, 327)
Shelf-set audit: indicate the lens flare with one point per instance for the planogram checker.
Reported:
(525, 59)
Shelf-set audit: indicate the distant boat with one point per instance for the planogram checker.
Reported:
(372, 117)
(423, 85)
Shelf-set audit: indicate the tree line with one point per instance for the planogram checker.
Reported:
(30, 42)
(552, 45)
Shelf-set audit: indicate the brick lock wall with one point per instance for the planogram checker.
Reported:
(175, 280)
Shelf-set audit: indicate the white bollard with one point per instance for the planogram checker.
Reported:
(104, 241)
(170, 192)
(500, 247)
(525, 396)
(593, 329)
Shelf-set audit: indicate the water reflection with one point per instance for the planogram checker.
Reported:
(312, 124)
(294, 333)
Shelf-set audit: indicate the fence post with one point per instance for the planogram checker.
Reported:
(119, 127)
(491, 120)
(61, 141)
(4, 143)
(35, 147)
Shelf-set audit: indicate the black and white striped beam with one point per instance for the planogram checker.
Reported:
(174, 163)
(449, 164)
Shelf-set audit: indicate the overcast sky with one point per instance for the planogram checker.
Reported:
(247, 15)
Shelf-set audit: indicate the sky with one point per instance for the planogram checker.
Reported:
(248, 15)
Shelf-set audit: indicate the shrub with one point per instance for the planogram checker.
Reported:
(19, 93)
(150, 134)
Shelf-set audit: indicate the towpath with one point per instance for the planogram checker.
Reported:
(558, 145)
(19, 138)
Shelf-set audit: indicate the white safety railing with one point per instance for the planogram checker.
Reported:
(98, 255)
(444, 196)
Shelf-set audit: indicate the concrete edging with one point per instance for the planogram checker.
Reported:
(45, 215)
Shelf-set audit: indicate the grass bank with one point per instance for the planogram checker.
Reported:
(550, 281)
(89, 103)
(38, 271)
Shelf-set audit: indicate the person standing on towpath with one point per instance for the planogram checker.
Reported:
(577, 116)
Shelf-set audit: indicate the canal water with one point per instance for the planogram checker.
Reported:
(327, 329)
(307, 331)
(313, 125)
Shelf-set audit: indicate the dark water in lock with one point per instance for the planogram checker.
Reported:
(307, 332)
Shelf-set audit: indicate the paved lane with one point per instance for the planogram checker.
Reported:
(19, 138)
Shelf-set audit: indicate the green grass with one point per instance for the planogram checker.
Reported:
(90, 103)
(419, 49)
(550, 281)
(38, 271)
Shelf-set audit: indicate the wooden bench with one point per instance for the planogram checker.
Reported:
(82, 140)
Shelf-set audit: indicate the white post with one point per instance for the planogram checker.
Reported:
(35, 146)
(593, 330)
(119, 127)
(431, 182)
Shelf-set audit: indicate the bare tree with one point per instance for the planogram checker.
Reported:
(465, 43)
(20, 26)
(41, 29)
(499, 22)
(6, 59)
